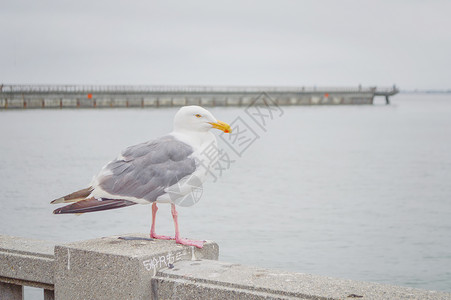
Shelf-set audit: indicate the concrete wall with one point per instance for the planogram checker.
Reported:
(115, 268)
(216, 280)
(103, 100)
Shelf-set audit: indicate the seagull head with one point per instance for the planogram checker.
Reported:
(196, 118)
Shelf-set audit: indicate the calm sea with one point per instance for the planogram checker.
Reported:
(358, 192)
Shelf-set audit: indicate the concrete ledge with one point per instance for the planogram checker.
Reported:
(111, 268)
(206, 279)
(26, 261)
(141, 268)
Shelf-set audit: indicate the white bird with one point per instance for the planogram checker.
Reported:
(166, 170)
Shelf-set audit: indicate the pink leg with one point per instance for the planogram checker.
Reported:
(178, 239)
(152, 229)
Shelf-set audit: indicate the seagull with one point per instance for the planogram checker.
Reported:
(169, 169)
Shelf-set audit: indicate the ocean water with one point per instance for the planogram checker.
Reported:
(357, 192)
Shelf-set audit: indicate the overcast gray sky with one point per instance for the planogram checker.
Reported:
(323, 43)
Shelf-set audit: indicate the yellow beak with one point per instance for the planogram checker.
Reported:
(222, 126)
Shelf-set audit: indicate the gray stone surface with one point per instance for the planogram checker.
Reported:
(112, 268)
(206, 279)
(29, 260)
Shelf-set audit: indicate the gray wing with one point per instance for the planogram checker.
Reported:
(148, 168)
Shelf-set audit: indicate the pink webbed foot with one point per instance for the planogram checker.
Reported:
(161, 237)
(186, 242)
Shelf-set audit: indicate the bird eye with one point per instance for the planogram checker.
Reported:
(198, 116)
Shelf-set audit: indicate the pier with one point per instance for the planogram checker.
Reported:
(115, 268)
(99, 96)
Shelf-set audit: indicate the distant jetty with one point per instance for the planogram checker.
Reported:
(20, 96)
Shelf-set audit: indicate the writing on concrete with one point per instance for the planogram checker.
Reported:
(162, 261)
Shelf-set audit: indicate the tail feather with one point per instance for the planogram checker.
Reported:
(74, 197)
(91, 205)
